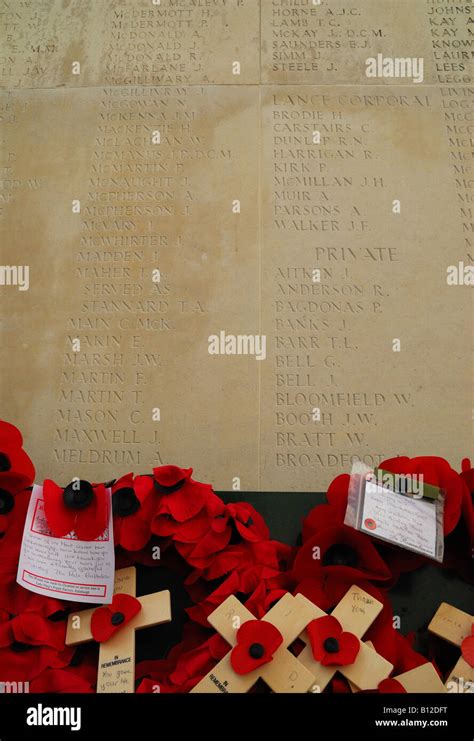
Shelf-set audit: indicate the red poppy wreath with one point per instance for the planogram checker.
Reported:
(216, 550)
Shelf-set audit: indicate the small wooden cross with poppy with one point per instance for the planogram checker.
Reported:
(423, 678)
(114, 626)
(457, 627)
(259, 648)
(334, 645)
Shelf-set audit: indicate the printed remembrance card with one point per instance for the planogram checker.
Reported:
(68, 568)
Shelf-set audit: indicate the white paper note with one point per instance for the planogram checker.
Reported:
(66, 568)
(410, 523)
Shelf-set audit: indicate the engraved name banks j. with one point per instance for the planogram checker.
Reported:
(231, 344)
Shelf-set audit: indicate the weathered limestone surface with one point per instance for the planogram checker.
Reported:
(238, 148)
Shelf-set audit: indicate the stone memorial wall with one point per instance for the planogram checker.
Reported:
(248, 246)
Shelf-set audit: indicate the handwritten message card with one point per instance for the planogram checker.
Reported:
(66, 568)
(410, 523)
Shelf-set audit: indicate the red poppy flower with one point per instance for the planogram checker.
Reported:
(79, 676)
(248, 522)
(22, 662)
(246, 582)
(343, 553)
(194, 664)
(328, 515)
(19, 600)
(158, 684)
(200, 538)
(11, 528)
(29, 644)
(467, 648)
(254, 575)
(181, 496)
(459, 544)
(391, 686)
(186, 664)
(155, 677)
(80, 508)
(16, 469)
(34, 629)
(437, 472)
(330, 644)
(339, 685)
(204, 535)
(254, 562)
(467, 474)
(262, 600)
(467, 506)
(266, 560)
(12, 509)
(257, 641)
(326, 592)
(332, 514)
(406, 658)
(60, 681)
(201, 611)
(107, 620)
(169, 479)
(217, 566)
(133, 509)
(196, 527)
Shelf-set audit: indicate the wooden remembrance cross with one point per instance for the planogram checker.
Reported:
(116, 671)
(454, 626)
(423, 678)
(356, 612)
(284, 673)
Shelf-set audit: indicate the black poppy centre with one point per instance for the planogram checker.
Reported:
(340, 554)
(125, 502)
(331, 645)
(18, 647)
(169, 489)
(5, 464)
(78, 495)
(256, 650)
(7, 502)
